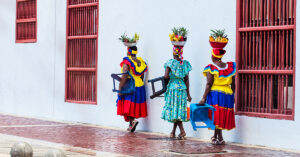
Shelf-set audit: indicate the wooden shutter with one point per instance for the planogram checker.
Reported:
(26, 22)
(266, 58)
(82, 51)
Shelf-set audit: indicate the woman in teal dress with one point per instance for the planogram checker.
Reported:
(178, 93)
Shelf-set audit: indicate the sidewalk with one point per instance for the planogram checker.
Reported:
(78, 140)
(39, 147)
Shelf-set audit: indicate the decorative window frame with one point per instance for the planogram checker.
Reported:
(258, 24)
(81, 51)
(26, 21)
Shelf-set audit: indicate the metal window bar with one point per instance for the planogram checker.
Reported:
(266, 58)
(81, 51)
(26, 21)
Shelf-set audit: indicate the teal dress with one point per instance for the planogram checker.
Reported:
(175, 108)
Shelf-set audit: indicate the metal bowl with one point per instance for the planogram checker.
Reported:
(129, 44)
(178, 43)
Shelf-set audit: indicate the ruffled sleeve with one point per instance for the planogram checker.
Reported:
(228, 72)
(211, 69)
(137, 70)
(179, 70)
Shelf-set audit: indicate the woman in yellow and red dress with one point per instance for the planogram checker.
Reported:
(133, 106)
(219, 93)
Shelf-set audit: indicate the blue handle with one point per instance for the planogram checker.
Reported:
(204, 106)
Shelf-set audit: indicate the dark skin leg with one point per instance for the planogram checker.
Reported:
(174, 129)
(182, 132)
(131, 119)
(219, 133)
(215, 134)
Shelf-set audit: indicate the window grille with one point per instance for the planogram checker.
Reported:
(266, 58)
(81, 51)
(26, 22)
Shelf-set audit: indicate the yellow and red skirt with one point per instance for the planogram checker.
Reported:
(133, 105)
(224, 104)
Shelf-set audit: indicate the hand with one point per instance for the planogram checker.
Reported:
(119, 94)
(189, 98)
(202, 101)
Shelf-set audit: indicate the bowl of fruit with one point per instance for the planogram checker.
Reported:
(129, 42)
(178, 36)
(218, 39)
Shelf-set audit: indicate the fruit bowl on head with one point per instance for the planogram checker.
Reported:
(129, 44)
(219, 45)
(178, 43)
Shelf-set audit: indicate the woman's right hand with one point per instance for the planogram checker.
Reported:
(189, 98)
(202, 101)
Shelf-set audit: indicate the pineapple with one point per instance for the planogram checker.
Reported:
(125, 38)
(218, 36)
(211, 38)
(179, 34)
(136, 37)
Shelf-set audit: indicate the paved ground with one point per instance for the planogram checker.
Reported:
(85, 141)
(39, 147)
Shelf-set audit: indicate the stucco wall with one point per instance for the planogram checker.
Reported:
(27, 70)
(32, 77)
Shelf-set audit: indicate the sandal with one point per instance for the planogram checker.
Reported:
(172, 135)
(220, 142)
(214, 140)
(181, 136)
(134, 124)
(129, 127)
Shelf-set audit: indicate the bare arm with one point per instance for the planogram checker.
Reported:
(209, 83)
(167, 73)
(187, 83)
(142, 77)
(124, 77)
(233, 84)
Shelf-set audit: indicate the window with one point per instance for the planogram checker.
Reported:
(26, 21)
(81, 51)
(266, 58)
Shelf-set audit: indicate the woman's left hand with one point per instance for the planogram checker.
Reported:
(189, 98)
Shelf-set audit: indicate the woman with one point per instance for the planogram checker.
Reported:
(219, 93)
(178, 92)
(133, 106)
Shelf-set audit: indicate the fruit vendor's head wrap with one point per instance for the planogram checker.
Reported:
(178, 50)
(132, 50)
(218, 53)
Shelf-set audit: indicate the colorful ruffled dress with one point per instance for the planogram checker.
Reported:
(134, 105)
(175, 108)
(221, 95)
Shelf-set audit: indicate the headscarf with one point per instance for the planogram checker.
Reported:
(131, 52)
(218, 53)
(178, 50)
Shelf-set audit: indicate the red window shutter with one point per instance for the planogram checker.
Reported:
(266, 58)
(26, 21)
(82, 51)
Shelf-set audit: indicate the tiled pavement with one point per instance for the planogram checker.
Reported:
(39, 148)
(87, 140)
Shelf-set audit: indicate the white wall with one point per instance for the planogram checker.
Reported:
(32, 77)
(27, 71)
